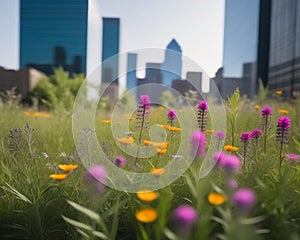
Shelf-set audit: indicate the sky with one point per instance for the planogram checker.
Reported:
(197, 25)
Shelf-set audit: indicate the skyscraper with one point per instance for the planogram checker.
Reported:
(55, 33)
(172, 65)
(262, 41)
(110, 50)
(131, 79)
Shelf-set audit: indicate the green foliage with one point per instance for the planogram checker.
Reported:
(167, 99)
(59, 90)
(262, 92)
(233, 103)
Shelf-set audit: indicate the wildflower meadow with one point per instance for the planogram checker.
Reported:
(251, 189)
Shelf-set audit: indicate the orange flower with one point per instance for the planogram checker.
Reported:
(58, 177)
(210, 131)
(41, 114)
(126, 141)
(216, 199)
(174, 129)
(147, 196)
(279, 92)
(146, 215)
(160, 144)
(282, 111)
(230, 148)
(68, 167)
(147, 142)
(106, 121)
(164, 126)
(161, 108)
(257, 107)
(26, 113)
(161, 151)
(158, 171)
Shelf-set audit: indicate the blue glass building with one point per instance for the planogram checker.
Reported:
(110, 50)
(55, 33)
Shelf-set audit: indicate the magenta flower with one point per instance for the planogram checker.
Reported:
(284, 123)
(245, 136)
(233, 184)
(172, 114)
(230, 163)
(220, 135)
(293, 158)
(95, 177)
(203, 106)
(198, 141)
(244, 199)
(255, 133)
(184, 216)
(266, 111)
(218, 157)
(145, 101)
(120, 161)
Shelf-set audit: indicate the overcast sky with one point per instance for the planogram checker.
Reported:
(197, 25)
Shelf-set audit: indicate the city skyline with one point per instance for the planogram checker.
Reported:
(138, 24)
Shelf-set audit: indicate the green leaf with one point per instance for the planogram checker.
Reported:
(254, 220)
(17, 194)
(99, 234)
(170, 235)
(77, 224)
(91, 214)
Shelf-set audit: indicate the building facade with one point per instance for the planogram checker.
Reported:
(55, 33)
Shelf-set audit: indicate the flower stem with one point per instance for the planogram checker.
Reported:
(140, 136)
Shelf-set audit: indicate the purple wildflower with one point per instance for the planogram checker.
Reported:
(256, 133)
(198, 141)
(218, 157)
(145, 101)
(244, 199)
(120, 161)
(233, 184)
(245, 136)
(292, 158)
(203, 106)
(172, 114)
(266, 111)
(284, 123)
(202, 115)
(220, 135)
(184, 216)
(230, 163)
(96, 177)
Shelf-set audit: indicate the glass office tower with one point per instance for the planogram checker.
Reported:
(55, 33)
(110, 50)
(284, 66)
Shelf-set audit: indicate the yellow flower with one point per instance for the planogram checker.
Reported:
(161, 151)
(257, 107)
(68, 167)
(216, 199)
(41, 114)
(164, 126)
(160, 144)
(147, 196)
(210, 131)
(282, 111)
(58, 177)
(146, 215)
(279, 92)
(230, 148)
(147, 142)
(106, 121)
(126, 141)
(131, 118)
(158, 171)
(174, 129)
(26, 113)
(161, 108)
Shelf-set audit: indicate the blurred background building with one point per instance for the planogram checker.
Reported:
(261, 41)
